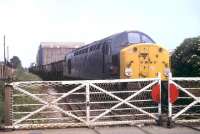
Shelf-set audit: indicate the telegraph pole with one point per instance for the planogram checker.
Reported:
(7, 57)
(4, 47)
(4, 51)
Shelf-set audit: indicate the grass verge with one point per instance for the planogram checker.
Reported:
(20, 75)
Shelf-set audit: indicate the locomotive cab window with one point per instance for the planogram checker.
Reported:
(134, 38)
(146, 39)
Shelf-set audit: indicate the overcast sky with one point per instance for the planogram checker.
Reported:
(26, 23)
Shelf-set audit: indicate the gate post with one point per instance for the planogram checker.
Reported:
(8, 101)
(88, 104)
(165, 118)
(162, 120)
(170, 123)
(160, 103)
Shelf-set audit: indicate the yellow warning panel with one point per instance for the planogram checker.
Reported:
(144, 61)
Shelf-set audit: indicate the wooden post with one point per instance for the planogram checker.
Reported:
(8, 100)
(4, 52)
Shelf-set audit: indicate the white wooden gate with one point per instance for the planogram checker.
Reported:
(47, 104)
(186, 109)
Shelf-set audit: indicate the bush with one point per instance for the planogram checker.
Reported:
(186, 58)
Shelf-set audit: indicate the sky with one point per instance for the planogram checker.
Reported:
(26, 23)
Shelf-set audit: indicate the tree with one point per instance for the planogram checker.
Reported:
(16, 62)
(186, 58)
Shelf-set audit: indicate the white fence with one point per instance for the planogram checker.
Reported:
(40, 104)
(186, 109)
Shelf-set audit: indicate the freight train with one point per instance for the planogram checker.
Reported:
(129, 54)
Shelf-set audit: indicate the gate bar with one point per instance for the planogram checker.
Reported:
(124, 101)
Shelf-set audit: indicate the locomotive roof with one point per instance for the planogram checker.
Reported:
(61, 44)
(111, 36)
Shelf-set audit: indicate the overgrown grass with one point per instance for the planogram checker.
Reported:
(22, 75)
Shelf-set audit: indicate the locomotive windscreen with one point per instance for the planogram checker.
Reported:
(137, 37)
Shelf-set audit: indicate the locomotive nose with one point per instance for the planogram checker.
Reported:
(149, 60)
(143, 62)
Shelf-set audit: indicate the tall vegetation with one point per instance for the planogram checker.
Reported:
(186, 58)
(15, 62)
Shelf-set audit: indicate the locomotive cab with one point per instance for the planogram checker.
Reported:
(147, 61)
